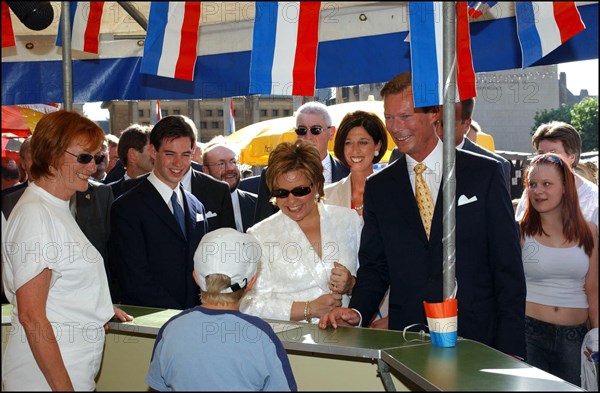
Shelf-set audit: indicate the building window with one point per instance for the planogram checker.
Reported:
(140, 112)
(287, 112)
(148, 112)
(164, 112)
(209, 113)
(214, 124)
(177, 111)
(345, 94)
(203, 125)
(220, 112)
(356, 91)
(263, 112)
(274, 112)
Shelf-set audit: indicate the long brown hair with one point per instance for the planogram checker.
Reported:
(575, 228)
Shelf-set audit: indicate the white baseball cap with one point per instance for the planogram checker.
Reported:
(229, 252)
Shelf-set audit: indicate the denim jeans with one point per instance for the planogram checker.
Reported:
(555, 348)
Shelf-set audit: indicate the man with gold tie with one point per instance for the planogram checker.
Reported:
(401, 242)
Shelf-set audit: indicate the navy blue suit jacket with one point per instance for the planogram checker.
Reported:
(247, 207)
(395, 251)
(250, 184)
(153, 258)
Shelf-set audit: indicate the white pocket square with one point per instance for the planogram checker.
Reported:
(210, 214)
(463, 200)
(200, 217)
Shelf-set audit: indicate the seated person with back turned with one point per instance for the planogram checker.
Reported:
(309, 249)
(215, 347)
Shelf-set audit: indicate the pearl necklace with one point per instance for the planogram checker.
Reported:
(358, 208)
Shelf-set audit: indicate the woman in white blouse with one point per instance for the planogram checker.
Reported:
(309, 250)
(360, 142)
(53, 276)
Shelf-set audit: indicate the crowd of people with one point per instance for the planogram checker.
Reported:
(325, 240)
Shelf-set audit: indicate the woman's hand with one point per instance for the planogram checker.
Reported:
(341, 280)
(120, 315)
(324, 303)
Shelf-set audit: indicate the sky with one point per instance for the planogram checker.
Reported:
(580, 75)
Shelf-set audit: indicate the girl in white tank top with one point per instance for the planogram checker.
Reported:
(560, 260)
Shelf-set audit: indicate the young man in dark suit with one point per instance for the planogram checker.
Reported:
(398, 248)
(314, 124)
(157, 225)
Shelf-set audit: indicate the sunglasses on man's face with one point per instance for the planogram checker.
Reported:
(298, 192)
(315, 130)
(86, 158)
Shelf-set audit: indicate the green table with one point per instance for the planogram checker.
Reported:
(470, 366)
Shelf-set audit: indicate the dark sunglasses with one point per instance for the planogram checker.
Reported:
(298, 192)
(315, 130)
(85, 158)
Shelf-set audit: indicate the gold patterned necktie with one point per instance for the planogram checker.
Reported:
(423, 196)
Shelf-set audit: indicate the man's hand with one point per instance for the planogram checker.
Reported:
(340, 316)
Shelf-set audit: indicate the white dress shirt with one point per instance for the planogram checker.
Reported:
(166, 191)
(327, 172)
(237, 211)
(433, 173)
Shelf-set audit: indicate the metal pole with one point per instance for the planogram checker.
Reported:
(449, 172)
(135, 14)
(67, 66)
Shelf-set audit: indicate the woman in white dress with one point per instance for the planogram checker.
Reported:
(53, 276)
(309, 250)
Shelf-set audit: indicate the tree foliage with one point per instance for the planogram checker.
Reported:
(547, 115)
(584, 117)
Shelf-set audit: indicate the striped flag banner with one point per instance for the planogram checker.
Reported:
(465, 72)
(544, 26)
(170, 48)
(86, 17)
(478, 8)
(426, 52)
(155, 111)
(8, 35)
(231, 117)
(426, 48)
(284, 48)
(442, 320)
